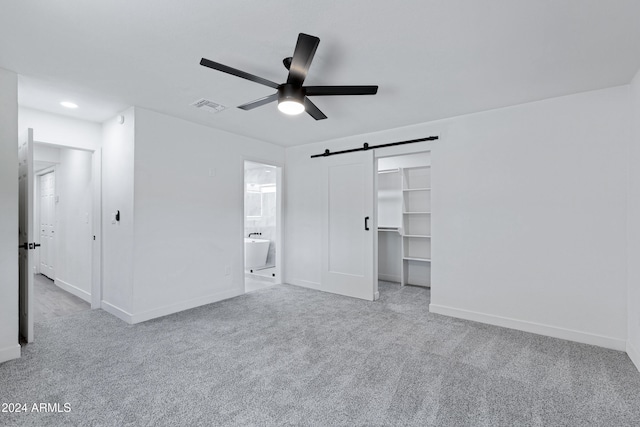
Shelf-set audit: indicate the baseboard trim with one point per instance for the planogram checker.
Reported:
(185, 305)
(117, 311)
(389, 278)
(74, 290)
(532, 327)
(304, 284)
(633, 354)
(10, 353)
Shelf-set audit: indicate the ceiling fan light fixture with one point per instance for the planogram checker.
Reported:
(291, 107)
(69, 104)
(290, 99)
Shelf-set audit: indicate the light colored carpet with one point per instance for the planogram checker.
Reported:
(291, 356)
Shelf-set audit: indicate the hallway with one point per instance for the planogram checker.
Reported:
(51, 301)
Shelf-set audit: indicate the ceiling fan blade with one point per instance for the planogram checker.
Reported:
(313, 111)
(302, 57)
(235, 72)
(340, 90)
(258, 102)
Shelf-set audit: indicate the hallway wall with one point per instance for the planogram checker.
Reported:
(9, 347)
(60, 130)
(74, 216)
(633, 256)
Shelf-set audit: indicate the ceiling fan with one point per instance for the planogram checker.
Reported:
(292, 97)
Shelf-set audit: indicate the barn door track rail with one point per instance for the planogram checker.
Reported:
(366, 146)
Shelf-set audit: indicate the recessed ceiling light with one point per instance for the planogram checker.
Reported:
(69, 104)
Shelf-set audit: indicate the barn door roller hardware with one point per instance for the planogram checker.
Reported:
(366, 146)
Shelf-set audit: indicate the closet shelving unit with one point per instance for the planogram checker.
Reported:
(416, 226)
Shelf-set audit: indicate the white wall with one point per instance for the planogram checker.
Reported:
(9, 347)
(633, 342)
(61, 130)
(117, 194)
(188, 213)
(529, 215)
(74, 186)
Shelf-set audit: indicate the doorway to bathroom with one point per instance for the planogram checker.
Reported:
(262, 225)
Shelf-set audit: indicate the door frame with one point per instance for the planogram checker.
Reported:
(37, 209)
(96, 215)
(279, 215)
(395, 151)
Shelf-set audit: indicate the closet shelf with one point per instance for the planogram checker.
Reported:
(394, 229)
(418, 167)
(418, 189)
(416, 259)
(423, 236)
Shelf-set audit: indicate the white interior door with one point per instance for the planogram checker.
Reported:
(47, 224)
(348, 225)
(25, 231)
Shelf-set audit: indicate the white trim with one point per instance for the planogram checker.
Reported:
(389, 278)
(116, 311)
(73, 290)
(535, 328)
(633, 354)
(305, 284)
(185, 305)
(96, 227)
(10, 353)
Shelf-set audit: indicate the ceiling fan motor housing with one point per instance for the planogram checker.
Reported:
(290, 92)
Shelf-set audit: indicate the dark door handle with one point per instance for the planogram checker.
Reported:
(366, 223)
(28, 246)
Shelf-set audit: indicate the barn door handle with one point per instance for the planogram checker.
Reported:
(366, 223)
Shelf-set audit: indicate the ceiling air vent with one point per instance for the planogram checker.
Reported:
(209, 106)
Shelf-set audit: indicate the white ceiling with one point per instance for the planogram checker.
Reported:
(431, 59)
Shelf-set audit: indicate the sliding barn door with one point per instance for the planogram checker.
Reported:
(25, 232)
(348, 225)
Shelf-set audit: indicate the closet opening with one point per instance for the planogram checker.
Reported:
(404, 221)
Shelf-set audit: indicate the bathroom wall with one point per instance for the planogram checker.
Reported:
(261, 178)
